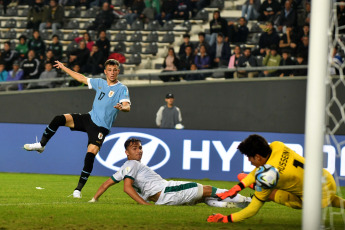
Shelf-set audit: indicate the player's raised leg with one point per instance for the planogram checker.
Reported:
(59, 120)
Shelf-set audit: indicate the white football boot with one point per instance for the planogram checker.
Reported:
(34, 147)
(76, 194)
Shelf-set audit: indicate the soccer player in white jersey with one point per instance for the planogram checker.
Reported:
(111, 96)
(143, 185)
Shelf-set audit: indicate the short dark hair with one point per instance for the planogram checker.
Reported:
(255, 144)
(111, 62)
(131, 141)
(202, 34)
(186, 36)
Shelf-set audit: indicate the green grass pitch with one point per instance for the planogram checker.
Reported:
(23, 206)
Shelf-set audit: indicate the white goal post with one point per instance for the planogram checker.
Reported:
(315, 113)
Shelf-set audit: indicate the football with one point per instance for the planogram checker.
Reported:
(266, 176)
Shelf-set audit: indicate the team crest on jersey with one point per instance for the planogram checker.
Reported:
(111, 93)
(100, 136)
(128, 169)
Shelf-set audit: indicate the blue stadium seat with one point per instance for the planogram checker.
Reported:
(169, 37)
(153, 26)
(120, 37)
(135, 48)
(137, 25)
(152, 37)
(134, 59)
(136, 37)
(152, 48)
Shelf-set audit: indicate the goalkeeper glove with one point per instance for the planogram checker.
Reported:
(241, 176)
(216, 218)
(232, 192)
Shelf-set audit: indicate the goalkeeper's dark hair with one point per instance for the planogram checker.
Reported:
(255, 144)
(131, 141)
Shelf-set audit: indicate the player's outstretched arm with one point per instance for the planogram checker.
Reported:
(102, 189)
(128, 188)
(124, 106)
(77, 76)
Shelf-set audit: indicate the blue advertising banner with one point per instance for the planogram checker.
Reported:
(190, 154)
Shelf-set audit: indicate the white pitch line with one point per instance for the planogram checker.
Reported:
(28, 204)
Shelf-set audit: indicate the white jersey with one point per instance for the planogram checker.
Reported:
(146, 181)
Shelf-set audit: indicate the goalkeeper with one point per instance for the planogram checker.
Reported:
(289, 189)
(143, 185)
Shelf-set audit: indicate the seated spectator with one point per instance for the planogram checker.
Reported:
(250, 9)
(8, 55)
(103, 19)
(3, 72)
(183, 9)
(201, 4)
(16, 74)
(74, 83)
(134, 11)
(303, 47)
(267, 39)
(103, 43)
(49, 57)
(49, 73)
(35, 15)
(287, 17)
(53, 17)
(289, 40)
(187, 59)
(186, 42)
(94, 64)
(269, 10)
(304, 31)
(200, 43)
(238, 33)
(306, 16)
(271, 59)
(22, 48)
(194, 76)
(341, 15)
(37, 44)
(220, 52)
(217, 25)
(79, 56)
(233, 62)
(171, 64)
(202, 60)
(31, 66)
(151, 10)
(87, 39)
(167, 10)
(56, 47)
(246, 60)
(286, 61)
(300, 61)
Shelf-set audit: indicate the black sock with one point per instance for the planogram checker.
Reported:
(88, 166)
(52, 128)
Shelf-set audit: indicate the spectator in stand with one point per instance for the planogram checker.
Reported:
(103, 19)
(79, 56)
(183, 9)
(48, 74)
(286, 61)
(306, 15)
(151, 10)
(336, 62)
(85, 3)
(303, 32)
(233, 62)
(16, 74)
(94, 64)
(341, 15)
(22, 47)
(217, 25)
(3, 72)
(56, 47)
(87, 39)
(8, 55)
(202, 60)
(220, 52)
(167, 11)
(246, 60)
(267, 39)
(53, 17)
(300, 61)
(74, 83)
(201, 42)
(271, 59)
(287, 17)
(187, 59)
(134, 11)
(186, 42)
(35, 15)
(303, 47)
(50, 57)
(201, 4)
(269, 10)
(103, 44)
(251, 9)
(289, 40)
(238, 32)
(37, 44)
(194, 76)
(31, 66)
(171, 64)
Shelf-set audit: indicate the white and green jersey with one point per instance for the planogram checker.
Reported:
(103, 112)
(146, 181)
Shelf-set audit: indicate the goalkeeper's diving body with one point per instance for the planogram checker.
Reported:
(289, 189)
(143, 185)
